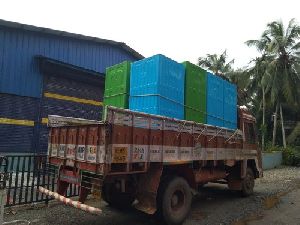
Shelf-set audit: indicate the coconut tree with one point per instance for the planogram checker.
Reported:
(218, 64)
(221, 66)
(258, 77)
(282, 76)
(294, 136)
(256, 88)
(241, 79)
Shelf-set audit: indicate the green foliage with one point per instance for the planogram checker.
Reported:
(216, 63)
(291, 156)
(294, 137)
(276, 73)
(221, 66)
(263, 128)
(269, 148)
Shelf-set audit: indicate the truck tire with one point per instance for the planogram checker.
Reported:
(115, 198)
(248, 183)
(175, 200)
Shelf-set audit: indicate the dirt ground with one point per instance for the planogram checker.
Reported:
(287, 212)
(276, 197)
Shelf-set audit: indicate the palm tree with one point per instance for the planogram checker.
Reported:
(294, 136)
(282, 74)
(216, 63)
(259, 75)
(241, 79)
(257, 88)
(220, 66)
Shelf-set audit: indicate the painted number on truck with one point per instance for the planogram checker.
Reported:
(139, 153)
(119, 155)
(54, 149)
(91, 155)
(80, 152)
(70, 154)
(61, 150)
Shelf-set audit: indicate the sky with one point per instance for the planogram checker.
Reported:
(182, 30)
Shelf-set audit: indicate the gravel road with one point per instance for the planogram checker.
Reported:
(214, 205)
(286, 213)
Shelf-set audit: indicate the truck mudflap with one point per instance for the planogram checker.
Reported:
(70, 202)
(148, 188)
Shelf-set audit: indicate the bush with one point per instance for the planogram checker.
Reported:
(291, 156)
(270, 148)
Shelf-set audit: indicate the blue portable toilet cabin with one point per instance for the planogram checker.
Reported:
(230, 105)
(157, 86)
(214, 100)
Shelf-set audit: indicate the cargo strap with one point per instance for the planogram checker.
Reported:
(70, 202)
(158, 95)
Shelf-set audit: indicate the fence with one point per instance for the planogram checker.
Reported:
(25, 174)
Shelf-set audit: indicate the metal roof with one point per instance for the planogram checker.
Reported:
(32, 28)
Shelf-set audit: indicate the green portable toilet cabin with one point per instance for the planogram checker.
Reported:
(195, 93)
(117, 82)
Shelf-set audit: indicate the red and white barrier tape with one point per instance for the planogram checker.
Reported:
(70, 202)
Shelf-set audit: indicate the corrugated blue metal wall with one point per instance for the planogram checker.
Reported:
(19, 70)
(16, 139)
(18, 107)
(24, 106)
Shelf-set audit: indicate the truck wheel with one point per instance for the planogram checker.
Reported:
(176, 199)
(115, 198)
(248, 183)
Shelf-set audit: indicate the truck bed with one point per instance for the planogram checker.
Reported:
(127, 142)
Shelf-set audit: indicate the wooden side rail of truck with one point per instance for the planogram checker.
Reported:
(152, 162)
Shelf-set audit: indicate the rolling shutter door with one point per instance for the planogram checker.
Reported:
(17, 119)
(68, 97)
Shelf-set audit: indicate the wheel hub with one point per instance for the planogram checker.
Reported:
(174, 200)
(177, 200)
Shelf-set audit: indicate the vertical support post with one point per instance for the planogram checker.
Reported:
(263, 121)
(3, 178)
(83, 193)
(2, 203)
(130, 149)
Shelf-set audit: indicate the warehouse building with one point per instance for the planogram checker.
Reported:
(44, 72)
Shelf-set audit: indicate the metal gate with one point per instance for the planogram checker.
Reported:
(25, 174)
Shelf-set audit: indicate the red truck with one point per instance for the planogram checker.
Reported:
(151, 162)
